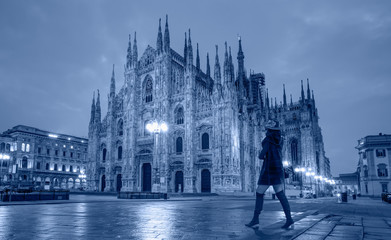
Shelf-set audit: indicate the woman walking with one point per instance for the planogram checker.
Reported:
(272, 173)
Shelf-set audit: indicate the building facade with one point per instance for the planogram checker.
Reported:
(347, 182)
(215, 124)
(374, 164)
(44, 159)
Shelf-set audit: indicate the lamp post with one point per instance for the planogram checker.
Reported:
(3, 157)
(155, 127)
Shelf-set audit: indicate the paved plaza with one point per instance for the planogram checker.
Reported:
(213, 217)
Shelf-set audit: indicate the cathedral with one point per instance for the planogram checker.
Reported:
(212, 124)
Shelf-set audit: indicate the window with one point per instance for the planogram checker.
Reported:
(24, 162)
(23, 147)
(5, 164)
(38, 165)
(364, 155)
(71, 168)
(56, 152)
(39, 150)
(47, 151)
(104, 155)
(365, 171)
(294, 155)
(384, 187)
(380, 152)
(119, 152)
(366, 188)
(179, 115)
(179, 145)
(205, 141)
(55, 167)
(148, 89)
(71, 154)
(63, 168)
(63, 153)
(382, 170)
(78, 155)
(28, 148)
(47, 166)
(120, 127)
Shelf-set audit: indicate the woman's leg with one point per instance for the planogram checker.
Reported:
(284, 203)
(258, 205)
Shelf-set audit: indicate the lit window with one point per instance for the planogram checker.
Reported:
(28, 148)
(23, 147)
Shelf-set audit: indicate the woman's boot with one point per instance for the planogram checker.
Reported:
(257, 211)
(287, 210)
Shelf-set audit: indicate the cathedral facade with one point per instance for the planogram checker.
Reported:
(215, 124)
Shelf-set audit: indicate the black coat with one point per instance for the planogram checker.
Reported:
(272, 171)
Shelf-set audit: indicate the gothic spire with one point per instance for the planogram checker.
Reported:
(135, 56)
(232, 69)
(129, 55)
(217, 74)
(226, 63)
(198, 59)
(112, 84)
(207, 65)
(308, 89)
(185, 51)
(189, 51)
(166, 37)
(302, 92)
(92, 109)
(97, 109)
(284, 96)
(159, 41)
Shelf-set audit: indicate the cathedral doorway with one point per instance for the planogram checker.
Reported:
(179, 181)
(119, 182)
(103, 184)
(205, 181)
(146, 177)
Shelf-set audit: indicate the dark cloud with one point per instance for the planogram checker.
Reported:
(54, 54)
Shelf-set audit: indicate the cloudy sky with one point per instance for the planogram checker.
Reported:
(54, 54)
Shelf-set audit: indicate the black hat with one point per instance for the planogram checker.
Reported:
(273, 125)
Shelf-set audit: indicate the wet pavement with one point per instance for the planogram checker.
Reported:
(221, 217)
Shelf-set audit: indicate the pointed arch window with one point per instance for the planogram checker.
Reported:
(119, 152)
(179, 116)
(120, 127)
(205, 141)
(148, 89)
(104, 153)
(179, 145)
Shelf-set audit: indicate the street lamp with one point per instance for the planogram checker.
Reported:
(156, 127)
(3, 157)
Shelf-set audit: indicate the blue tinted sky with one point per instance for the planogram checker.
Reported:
(54, 54)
